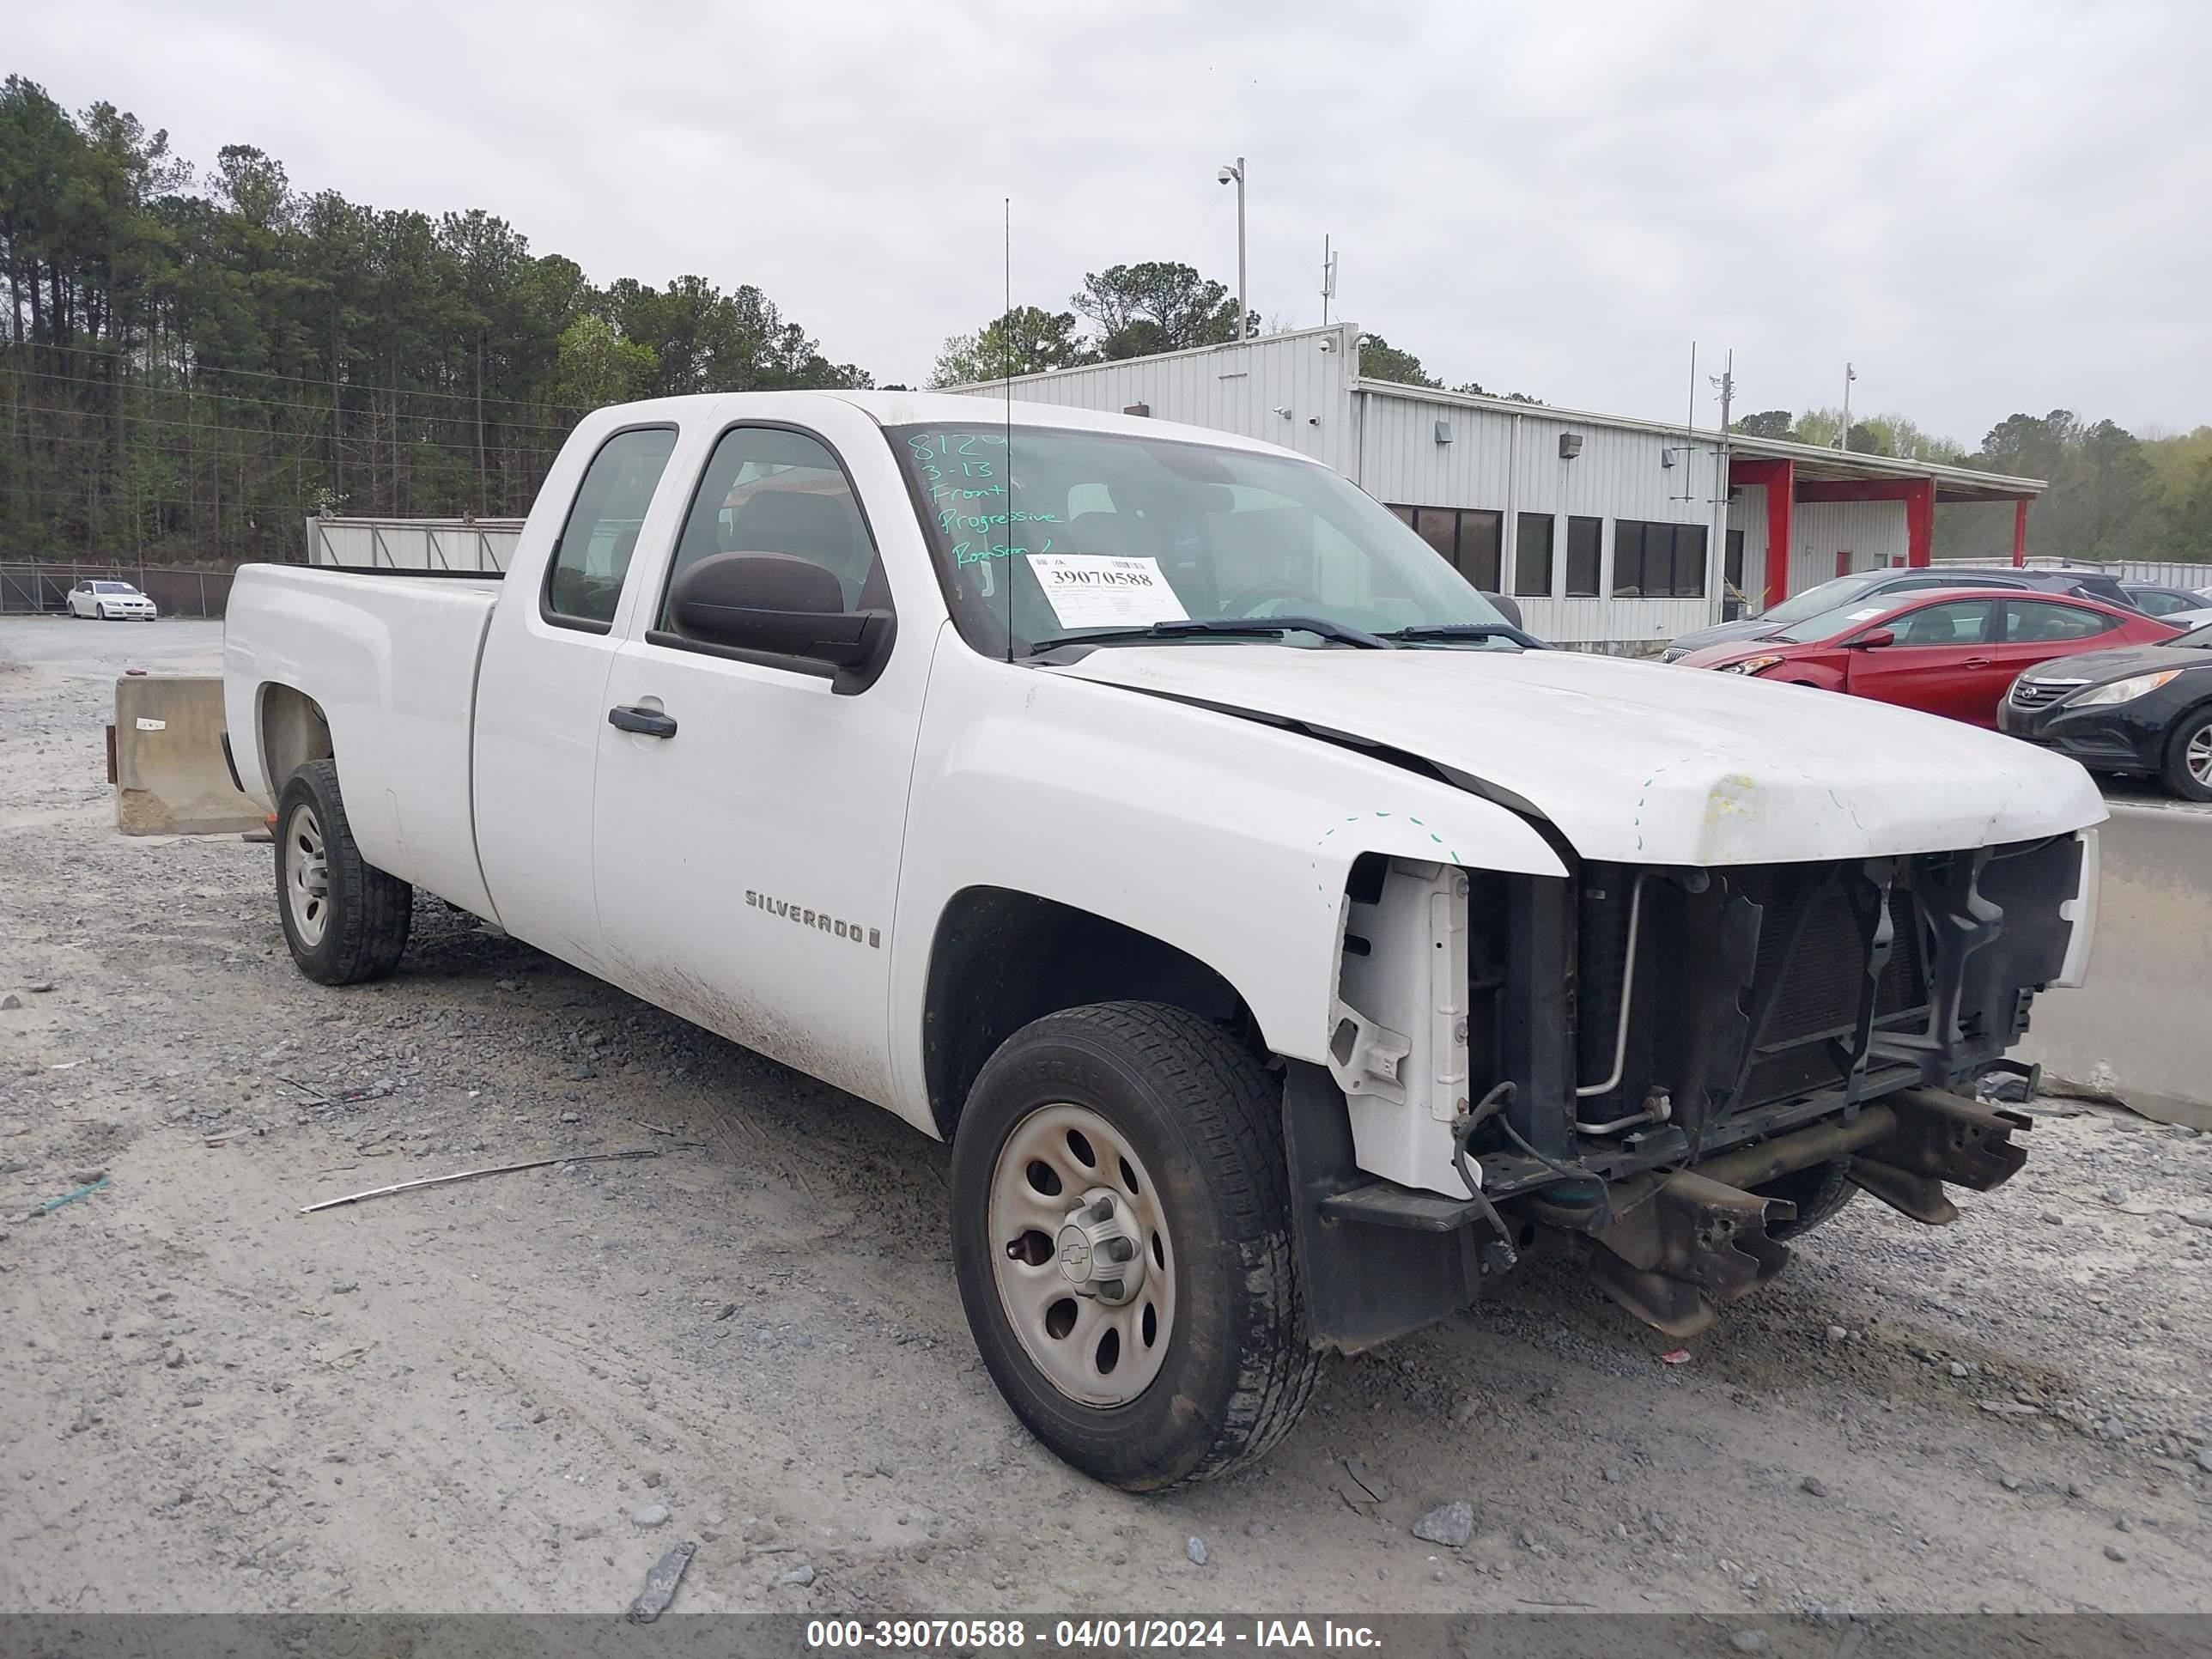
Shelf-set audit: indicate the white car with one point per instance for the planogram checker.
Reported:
(2190, 619)
(111, 602)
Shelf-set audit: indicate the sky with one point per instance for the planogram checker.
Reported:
(1983, 207)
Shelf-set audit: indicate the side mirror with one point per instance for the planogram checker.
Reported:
(775, 606)
(1874, 639)
(1509, 609)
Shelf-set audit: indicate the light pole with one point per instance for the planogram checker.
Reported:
(1235, 175)
(1844, 438)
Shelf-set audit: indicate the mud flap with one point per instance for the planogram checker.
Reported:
(1685, 1245)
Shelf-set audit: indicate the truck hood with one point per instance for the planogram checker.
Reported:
(1645, 763)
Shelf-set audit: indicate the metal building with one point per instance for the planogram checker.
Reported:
(1607, 529)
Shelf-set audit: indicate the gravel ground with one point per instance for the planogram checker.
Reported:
(518, 1393)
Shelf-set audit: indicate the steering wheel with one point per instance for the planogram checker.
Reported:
(1248, 602)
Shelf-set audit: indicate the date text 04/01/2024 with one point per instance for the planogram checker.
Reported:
(1082, 1635)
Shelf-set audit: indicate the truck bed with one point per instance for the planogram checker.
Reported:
(390, 658)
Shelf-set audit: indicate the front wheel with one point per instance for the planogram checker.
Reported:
(2188, 768)
(345, 919)
(100, 611)
(1121, 1236)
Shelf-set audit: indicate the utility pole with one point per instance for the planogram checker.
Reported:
(1235, 175)
(1327, 280)
(1716, 585)
(1844, 438)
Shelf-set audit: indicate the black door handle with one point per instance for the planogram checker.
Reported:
(646, 722)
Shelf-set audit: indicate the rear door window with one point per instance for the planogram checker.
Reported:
(583, 583)
(2029, 622)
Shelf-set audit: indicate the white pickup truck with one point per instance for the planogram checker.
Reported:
(1287, 943)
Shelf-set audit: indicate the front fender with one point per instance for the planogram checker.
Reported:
(1228, 839)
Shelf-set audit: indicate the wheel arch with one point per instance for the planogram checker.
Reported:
(291, 729)
(1000, 958)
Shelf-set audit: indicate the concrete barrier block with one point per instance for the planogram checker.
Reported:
(169, 773)
(2140, 1029)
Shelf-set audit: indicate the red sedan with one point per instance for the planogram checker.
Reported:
(1947, 651)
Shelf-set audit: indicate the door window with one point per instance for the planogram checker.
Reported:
(584, 582)
(1962, 622)
(767, 490)
(2029, 622)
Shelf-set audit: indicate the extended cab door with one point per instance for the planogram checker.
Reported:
(540, 706)
(1939, 661)
(748, 843)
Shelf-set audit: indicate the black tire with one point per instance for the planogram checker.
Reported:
(99, 612)
(1819, 1192)
(2175, 772)
(1205, 1120)
(365, 915)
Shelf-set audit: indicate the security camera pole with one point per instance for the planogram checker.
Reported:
(1236, 175)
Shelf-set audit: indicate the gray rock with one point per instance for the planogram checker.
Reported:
(2114, 1553)
(2075, 1489)
(2052, 1218)
(11, 1001)
(572, 1117)
(1195, 1548)
(2116, 1194)
(39, 986)
(800, 1577)
(1958, 1368)
(1836, 1333)
(1450, 1524)
(2198, 1218)
(2009, 1482)
(652, 1477)
(2205, 1459)
(1748, 1641)
(1613, 1477)
(1813, 1486)
(649, 1514)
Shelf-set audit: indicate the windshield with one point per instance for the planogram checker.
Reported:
(2199, 638)
(1814, 601)
(1079, 532)
(1830, 622)
(113, 587)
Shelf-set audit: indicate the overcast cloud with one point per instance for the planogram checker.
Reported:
(1986, 207)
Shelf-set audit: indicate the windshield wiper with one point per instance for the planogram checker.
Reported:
(1254, 627)
(1497, 630)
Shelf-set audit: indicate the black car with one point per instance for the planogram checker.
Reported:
(1872, 584)
(2155, 599)
(2135, 708)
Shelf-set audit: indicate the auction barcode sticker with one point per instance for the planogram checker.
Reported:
(1090, 590)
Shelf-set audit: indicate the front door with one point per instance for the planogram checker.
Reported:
(747, 862)
(1939, 661)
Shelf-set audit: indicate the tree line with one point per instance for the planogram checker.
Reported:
(192, 361)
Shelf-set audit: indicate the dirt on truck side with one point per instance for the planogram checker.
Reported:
(520, 1392)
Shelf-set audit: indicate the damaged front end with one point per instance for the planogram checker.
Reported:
(1660, 1067)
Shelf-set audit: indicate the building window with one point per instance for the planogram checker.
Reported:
(1468, 537)
(1583, 538)
(1733, 572)
(1532, 557)
(1658, 561)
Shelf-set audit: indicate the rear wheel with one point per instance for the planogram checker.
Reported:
(1122, 1236)
(2188, 768)
(344, 920)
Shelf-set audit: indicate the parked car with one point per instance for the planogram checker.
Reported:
(2187, 620)
(1281, 943)
(2155, 599)
(110, 602)
(1867, 585)
(1953, 652)
(2144, 708)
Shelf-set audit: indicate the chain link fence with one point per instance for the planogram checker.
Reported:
(45, 588)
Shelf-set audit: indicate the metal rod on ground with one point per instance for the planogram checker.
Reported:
(496, 1169)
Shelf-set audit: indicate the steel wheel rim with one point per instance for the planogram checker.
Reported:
(2197, 757)
(1096, 1351)
(306, 876)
